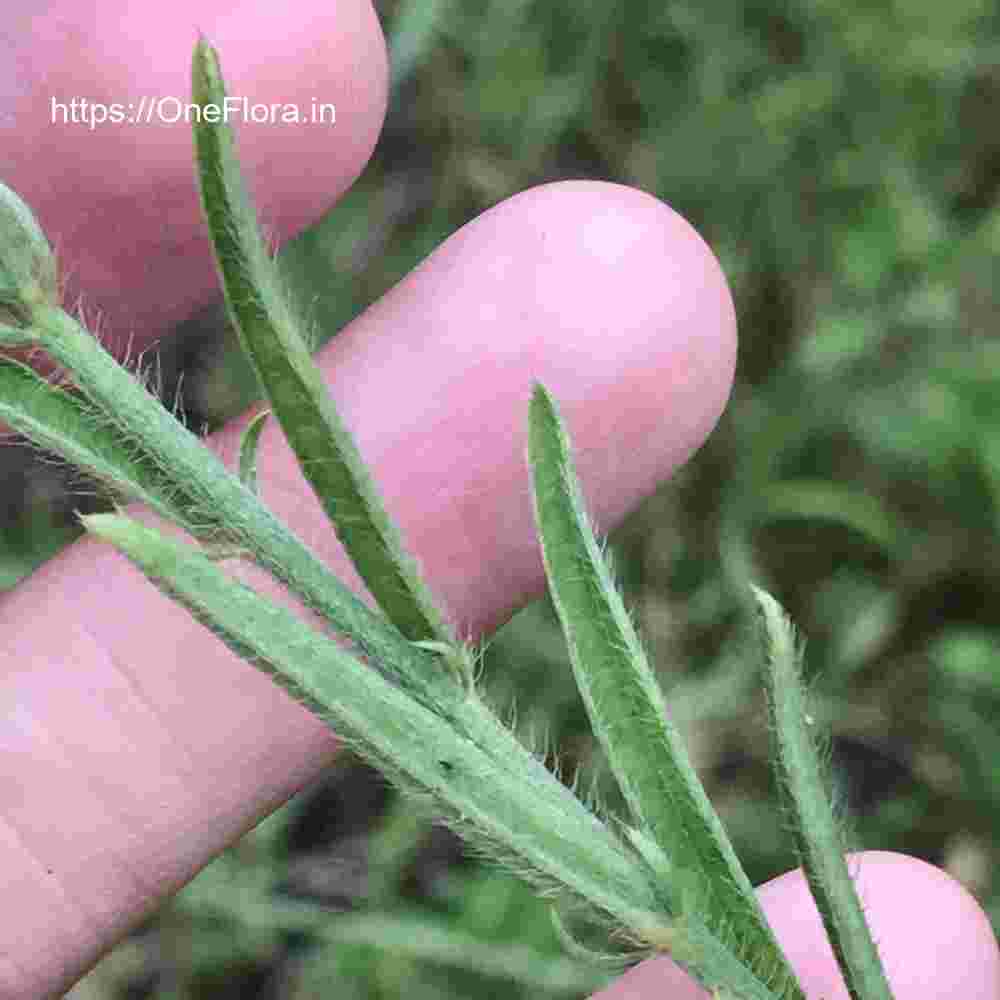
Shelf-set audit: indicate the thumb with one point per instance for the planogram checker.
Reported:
(934, 939)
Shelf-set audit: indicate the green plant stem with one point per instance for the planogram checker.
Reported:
(216, 498)
(213, 488)
(481, 784)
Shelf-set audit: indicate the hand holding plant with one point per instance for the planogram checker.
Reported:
(229, 718)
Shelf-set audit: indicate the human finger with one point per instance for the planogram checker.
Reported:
(140, 746)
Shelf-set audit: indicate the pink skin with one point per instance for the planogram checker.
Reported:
(119, 202)
(134, 746)
(933, 937)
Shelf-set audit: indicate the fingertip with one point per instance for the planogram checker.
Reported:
(119, 199)
(933, 937)
(602, 293)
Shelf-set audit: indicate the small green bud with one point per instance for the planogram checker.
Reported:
(28, 279)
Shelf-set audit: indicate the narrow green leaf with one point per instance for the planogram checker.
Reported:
(800, 776)
(248, 450)
(269, 332)
(628, 713)
(61, 423)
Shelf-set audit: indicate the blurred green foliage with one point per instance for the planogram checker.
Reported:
(843, 160)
